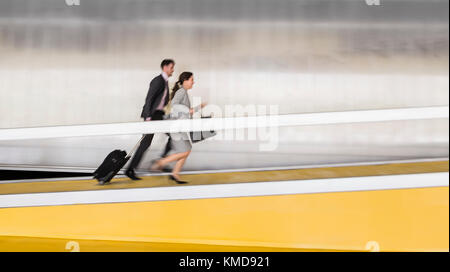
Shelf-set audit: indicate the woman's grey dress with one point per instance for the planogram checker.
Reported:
(180, 105)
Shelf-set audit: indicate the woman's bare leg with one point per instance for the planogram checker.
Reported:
(174, 157)
(179, 166)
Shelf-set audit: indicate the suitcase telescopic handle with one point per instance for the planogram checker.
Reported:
(135, 147)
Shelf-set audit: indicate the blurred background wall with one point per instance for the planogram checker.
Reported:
(92, 63)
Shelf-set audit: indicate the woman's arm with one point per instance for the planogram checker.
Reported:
(197, 108)
(179, 109)
(178, 97)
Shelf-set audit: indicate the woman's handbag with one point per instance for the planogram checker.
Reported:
(198, 136)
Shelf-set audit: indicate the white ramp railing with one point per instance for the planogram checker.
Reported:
(225, 123)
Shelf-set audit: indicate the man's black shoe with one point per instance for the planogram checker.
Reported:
(132, 175)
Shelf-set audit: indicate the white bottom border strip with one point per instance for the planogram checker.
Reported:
(271, 188)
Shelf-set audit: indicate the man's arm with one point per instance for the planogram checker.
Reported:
(152, 91)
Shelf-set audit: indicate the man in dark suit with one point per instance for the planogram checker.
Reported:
(157, 98)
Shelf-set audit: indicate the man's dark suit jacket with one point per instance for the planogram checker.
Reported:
(154, 96)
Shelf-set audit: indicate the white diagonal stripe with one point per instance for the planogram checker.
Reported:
(226, 123)
(228, 190)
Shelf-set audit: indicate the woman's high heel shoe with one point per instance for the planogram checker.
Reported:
(177, 180)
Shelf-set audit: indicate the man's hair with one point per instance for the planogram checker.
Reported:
(167, 62)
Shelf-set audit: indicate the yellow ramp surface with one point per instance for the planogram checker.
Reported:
(228, 178)
(414, 219)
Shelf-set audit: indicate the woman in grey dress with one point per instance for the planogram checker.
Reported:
(180, 142)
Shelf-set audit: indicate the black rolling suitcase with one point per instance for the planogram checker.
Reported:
(112, 164)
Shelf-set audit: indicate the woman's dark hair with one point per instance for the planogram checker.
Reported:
(183, 77)
(167, 62)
